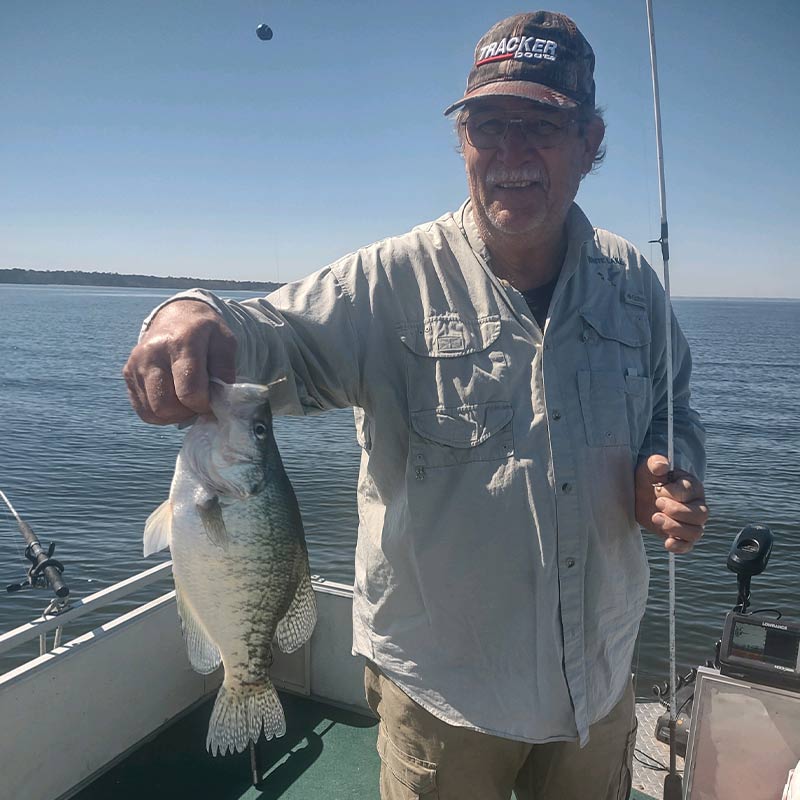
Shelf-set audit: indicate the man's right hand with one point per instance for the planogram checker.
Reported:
(167, 373)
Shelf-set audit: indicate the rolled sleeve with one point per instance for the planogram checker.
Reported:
(302, 338)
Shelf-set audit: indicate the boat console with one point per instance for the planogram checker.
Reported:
(742, 710)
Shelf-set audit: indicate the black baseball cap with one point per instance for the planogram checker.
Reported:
(540, 56)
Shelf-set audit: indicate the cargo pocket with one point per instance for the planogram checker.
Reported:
(404, 777)
(445, 436)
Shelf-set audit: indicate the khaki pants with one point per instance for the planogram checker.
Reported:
(423, 757)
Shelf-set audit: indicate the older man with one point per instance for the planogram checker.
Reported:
(507, 367)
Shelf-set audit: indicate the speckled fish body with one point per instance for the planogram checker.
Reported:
(239, 560)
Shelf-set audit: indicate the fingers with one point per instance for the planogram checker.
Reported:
(681, 524)
(683, 487)
(679, 537)
(167, 373)
(137, 394)
(694, 513)
(658, 466)
(670, 505)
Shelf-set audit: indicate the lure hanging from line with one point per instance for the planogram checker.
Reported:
(264, 32)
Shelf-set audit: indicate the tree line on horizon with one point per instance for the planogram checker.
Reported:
(74, 277)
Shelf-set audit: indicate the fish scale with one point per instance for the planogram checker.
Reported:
(240, 561)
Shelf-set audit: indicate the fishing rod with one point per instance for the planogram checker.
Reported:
(673, 784)
(45, 569)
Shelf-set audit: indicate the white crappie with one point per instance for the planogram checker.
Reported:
(240, 561)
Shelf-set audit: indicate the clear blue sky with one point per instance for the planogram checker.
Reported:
(166, 138)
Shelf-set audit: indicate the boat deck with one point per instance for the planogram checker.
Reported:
(327, 753)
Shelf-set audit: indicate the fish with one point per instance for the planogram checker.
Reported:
(240, 561)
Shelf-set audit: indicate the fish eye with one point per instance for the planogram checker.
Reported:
(260, 430)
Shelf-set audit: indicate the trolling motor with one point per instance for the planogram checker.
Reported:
(45, 570)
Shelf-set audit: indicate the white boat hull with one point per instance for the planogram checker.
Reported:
(74, 712)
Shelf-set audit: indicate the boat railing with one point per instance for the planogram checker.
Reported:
(57, 620)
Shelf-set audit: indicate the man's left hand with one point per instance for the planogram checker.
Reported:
(675, 509)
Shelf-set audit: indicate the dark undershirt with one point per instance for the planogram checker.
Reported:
(538, 300)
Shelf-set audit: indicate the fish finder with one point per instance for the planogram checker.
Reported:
(761, 650)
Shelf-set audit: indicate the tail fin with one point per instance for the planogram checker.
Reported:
(239, 717)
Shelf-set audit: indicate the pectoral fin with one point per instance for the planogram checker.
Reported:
(158, 529)
(210, 512)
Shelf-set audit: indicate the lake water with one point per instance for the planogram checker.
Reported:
(85, 472)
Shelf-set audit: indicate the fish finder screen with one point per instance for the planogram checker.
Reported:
(765, 644)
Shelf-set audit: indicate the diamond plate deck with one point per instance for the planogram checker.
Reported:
(649, 781)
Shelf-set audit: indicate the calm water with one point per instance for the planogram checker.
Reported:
(85, 472)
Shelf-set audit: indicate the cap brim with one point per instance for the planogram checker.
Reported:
(526, 90)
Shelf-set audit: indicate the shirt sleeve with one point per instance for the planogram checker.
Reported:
(302, 338)
(688, 430)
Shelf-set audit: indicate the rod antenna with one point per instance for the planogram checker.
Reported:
(673, 785)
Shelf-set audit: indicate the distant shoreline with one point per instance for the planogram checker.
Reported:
(74, 277)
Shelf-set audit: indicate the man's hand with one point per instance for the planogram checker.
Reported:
(676, 510)
(167, 372)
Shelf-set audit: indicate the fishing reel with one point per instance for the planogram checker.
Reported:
(45, 570)
(36, 578)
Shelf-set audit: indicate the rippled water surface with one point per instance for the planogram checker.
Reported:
(85, 472)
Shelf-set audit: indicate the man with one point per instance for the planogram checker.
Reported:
(507, 367)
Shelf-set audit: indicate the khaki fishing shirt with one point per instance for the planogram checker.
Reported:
(500, 574)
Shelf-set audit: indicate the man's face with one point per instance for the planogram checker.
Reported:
(520, 190)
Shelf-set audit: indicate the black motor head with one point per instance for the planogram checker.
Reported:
(264, 32)
(750, 551)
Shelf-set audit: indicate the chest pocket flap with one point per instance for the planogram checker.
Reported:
(629, 325)
(466, 426)
(450, 335)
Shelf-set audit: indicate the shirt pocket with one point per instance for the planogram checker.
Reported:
(615, 393)
(442, 437)
(456, 383)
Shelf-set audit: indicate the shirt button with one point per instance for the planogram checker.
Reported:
(566, 488)
(556, 414)
(570, 562)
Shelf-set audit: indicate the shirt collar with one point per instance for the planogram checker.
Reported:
(579, 230)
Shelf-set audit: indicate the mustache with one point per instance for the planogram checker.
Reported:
(501, 174)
